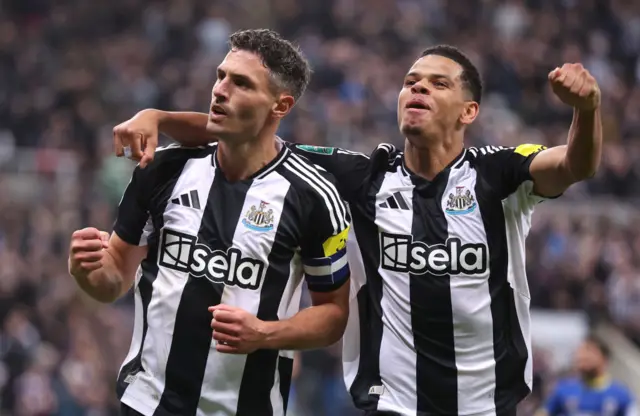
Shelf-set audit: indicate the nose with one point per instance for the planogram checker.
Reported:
(419, 88)
(219, 92)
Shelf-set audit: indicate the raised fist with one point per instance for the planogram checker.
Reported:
(575, 86)
(86, 251)
(137, 138)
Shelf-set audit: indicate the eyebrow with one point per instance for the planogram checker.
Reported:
(416, 74)
(234, 76)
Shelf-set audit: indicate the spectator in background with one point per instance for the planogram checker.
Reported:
(592, 392)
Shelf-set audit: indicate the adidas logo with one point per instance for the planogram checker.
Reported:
(189, 199)
(395, 201)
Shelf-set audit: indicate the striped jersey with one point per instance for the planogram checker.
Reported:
(210, 241)
(439, 316)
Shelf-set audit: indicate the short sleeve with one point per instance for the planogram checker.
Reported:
(507, 171)
(323, 246)
(350, 169)
(133, 224)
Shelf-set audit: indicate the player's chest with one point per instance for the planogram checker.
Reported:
(440, 231)
(231, 222)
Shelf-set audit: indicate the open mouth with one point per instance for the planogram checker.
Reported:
(217, 110)
(418, 105)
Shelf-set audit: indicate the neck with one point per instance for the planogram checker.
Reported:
(431, 158)
(239, 161)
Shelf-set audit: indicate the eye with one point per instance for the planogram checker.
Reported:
(409, 82)
(440, 84)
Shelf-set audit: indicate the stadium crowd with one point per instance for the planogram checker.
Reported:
(70, 70)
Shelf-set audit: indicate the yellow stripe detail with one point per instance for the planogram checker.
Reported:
(335, 243)
(529, 149)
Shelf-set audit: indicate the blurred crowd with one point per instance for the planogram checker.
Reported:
(71, 69)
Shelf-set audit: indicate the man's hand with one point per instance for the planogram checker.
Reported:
(139, 135)
(86, 251)
(235, 330)
(575, 86)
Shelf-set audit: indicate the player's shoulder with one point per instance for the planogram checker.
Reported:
(620, 390)
(176, 153)
(568, 385)
(497, 153)
(304, 175)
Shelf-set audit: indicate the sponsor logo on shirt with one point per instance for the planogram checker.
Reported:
(399, 253)
(182, 252)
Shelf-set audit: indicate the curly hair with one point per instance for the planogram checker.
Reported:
(285, 62)
(470, 76)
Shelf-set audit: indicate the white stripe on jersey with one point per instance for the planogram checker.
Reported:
(398, 360)
(329, 195)
(329, 188)
(351, 342)
(144, 393)
(223, 373)
(471, 299)
(326, 270)
(518, 209)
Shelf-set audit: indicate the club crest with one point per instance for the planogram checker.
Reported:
(260, 218)
(461, 203)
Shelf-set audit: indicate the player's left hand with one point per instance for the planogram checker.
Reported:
(236, 330)
(575, 86)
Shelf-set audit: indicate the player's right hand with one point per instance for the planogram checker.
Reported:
(86, 251)
(140, 135)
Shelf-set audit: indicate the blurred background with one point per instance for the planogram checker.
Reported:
(72, 69)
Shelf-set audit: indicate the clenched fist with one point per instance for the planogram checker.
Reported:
(139, 135)
(236, 330)
(86, 251)
(575, 86)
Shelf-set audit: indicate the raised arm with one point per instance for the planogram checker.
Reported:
(554, 170)
(140, 133)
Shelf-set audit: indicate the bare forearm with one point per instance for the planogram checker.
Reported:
(187, 128)
(105, 284)
(585, 144)
(314, 327)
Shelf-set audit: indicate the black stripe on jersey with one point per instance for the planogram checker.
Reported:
(187, 360)
(185, 200)
(254, 397)
(285, 371)
(369, 304)
(431, 313)
(510, 350)
(162, 181)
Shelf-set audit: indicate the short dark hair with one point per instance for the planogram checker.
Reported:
(470, 76)
(599, 344)
(288, 67)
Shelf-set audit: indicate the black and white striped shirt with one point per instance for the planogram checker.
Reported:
(210, 241)
(439, 316)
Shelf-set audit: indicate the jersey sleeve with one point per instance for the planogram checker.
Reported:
(133, 224)
(507, 171)
(323, 246)
(350, 169)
